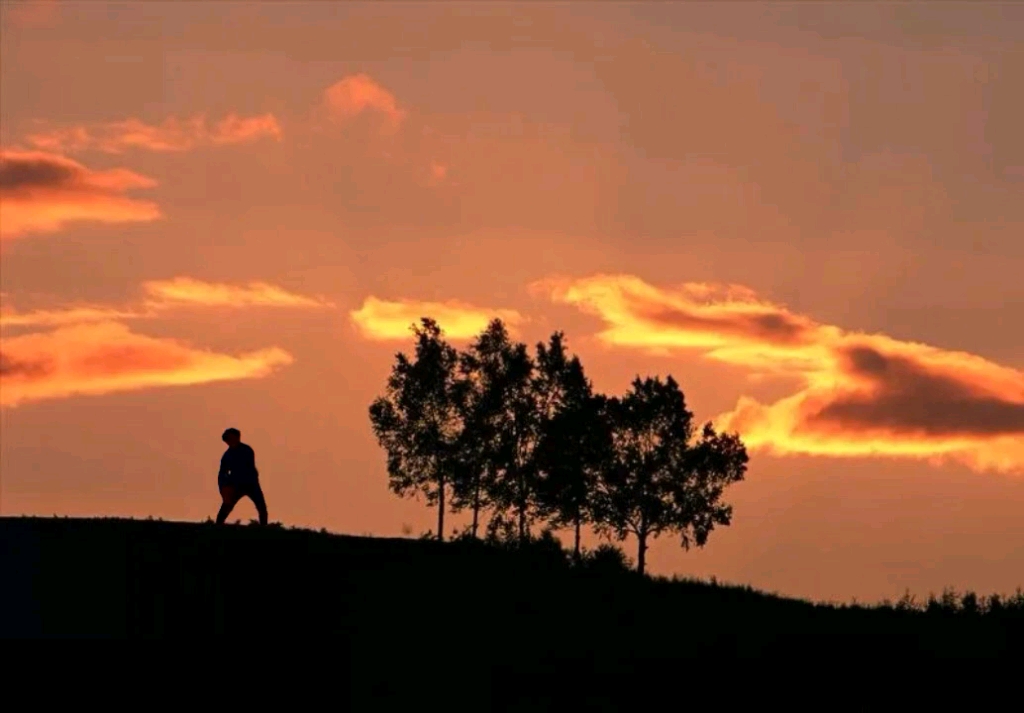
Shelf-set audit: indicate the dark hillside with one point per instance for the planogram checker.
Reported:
(420, 599)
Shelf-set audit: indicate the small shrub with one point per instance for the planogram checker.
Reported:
(502, 532)
(606, 559)
(908, 602)
(1016, 602)
(969, 603)
(548, 549)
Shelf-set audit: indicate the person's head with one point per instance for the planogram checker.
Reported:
(232, 436)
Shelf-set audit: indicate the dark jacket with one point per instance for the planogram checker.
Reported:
(238, 466)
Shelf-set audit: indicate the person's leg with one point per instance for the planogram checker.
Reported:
(229, 497)
(256, 495)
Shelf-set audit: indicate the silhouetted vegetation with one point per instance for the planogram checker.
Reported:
(418, 421)
(659, 480)
(534, 604)
(524, 440)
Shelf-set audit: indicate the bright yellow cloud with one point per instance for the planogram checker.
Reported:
(388, 320)
(862, 394)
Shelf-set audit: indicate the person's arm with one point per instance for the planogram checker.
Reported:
(225, 468)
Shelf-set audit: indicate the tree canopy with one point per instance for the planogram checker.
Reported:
(519, 439)
(660, 479)
(418, 420)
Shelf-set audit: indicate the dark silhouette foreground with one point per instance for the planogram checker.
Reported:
(484, 609)
(238, 477)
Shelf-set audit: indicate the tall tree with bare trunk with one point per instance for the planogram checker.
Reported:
(662, 480)
(418, 420)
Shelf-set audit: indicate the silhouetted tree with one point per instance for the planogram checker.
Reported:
(505, 424)
(714, 461)
(575, 444)
(473, 471)
(661, 482)
(418, 420)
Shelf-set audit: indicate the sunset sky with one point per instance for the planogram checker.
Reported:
(812, 215)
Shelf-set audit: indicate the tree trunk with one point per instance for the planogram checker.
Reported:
(440, 510)
(576, 545)
(641, 557)
(521, 507)
(476, 506)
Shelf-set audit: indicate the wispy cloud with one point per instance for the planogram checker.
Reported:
(10, 317)
(393, 319)
(107, 357)
(357, 93)
(171, 135)
(862, 394)
(42, 192)
(162, 296)
(90, 351)
(189, 291)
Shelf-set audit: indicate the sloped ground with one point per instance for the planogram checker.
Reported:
(406, 600)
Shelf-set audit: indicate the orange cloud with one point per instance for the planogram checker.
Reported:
(60, 317)
(358, 92)
(727, 322)
(171, 135)
(164, 295)
(386, 320)
(189, 291)
(862, 394)
(106, 357)
(42, 192)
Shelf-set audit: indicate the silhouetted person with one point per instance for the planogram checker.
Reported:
(238, 477)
